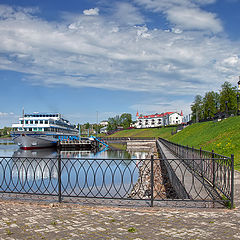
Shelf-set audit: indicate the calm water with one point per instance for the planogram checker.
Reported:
(31, 172)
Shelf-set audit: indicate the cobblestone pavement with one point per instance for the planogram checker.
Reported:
(35, 220)
(21, 220)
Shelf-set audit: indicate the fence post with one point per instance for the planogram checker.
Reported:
(213, 168)
(152, 180)
(59, 179)
(232, 181)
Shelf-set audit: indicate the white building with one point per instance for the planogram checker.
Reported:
(159, 120)
(104, 123)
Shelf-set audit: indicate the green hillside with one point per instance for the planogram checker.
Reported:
(147, 132)
(223, 137)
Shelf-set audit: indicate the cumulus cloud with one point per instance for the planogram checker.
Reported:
(97, 52)
(91, 12)
(194, 18)
(186, 14)
(5, 114)
(127, 14)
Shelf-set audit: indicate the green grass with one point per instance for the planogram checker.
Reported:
(223, 137)
(147, 132)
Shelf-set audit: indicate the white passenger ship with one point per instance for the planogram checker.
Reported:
(39, 130)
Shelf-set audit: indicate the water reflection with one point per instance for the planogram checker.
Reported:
(111, 172)
(105, 173)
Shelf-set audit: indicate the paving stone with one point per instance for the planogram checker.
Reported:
(24, 220)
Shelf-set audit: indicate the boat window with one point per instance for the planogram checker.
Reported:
(46, 121)
(21, 121)
(34, 129)
(26, 121)
(30, 129)
(36, 121)
(31, 122)
(20, 128)
(41, 121)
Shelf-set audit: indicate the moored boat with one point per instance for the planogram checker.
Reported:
(41, 130)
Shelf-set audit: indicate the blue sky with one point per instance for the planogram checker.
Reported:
(81, 58)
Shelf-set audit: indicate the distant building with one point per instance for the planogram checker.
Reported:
(159, 120)
(103, 130)
(104, 123)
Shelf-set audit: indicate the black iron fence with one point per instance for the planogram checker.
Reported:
(214, 169)
(145, 180)
(125, 138)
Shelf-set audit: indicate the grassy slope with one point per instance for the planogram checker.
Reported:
(222, 137)
(147, 132)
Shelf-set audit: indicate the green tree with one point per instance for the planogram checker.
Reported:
(197, 108)
(210, 104)
(126, 120)
(87, 125)
(228, 96)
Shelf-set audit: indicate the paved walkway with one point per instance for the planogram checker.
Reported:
(71, 221)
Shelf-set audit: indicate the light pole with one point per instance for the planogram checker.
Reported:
(226, 108)
(238, 90)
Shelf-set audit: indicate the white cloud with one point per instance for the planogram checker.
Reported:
(91, 12)
(127, 14)
(194, 19)
(185, 14)
(5, 114)
(106, 53)
(6, 118)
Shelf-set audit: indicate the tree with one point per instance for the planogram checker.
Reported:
(126, 120)
(197, 108)
(87, 125)
(210, 104)
(228, 96)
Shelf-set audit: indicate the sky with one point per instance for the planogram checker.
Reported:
(91, 60)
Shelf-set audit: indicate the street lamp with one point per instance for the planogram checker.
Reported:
(238, 90)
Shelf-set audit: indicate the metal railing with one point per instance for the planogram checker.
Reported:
(123, 179)
(215, 169)
(126, 138)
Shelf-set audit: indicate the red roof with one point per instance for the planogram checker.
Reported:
(157, 115)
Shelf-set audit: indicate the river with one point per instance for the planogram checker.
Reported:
(83, 173)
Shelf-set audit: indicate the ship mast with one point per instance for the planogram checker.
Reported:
(23, 118)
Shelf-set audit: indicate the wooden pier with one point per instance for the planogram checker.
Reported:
(84, 144)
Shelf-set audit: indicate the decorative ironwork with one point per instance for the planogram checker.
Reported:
(214, 170)
(146, 180)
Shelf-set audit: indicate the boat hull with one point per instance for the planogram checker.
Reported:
(34, 141)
